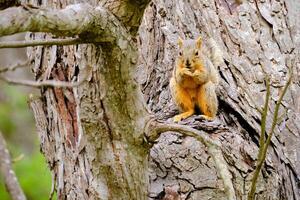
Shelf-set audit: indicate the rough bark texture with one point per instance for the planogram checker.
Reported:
(92, 135)
(252, 35)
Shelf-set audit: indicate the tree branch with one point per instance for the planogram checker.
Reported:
(275, 116)
(14, 67)
(264, 115)
(129, 12)
(155, 128)
(10, 178)
(51, 83)
(265, 144)
(48, 42)
(91, 24)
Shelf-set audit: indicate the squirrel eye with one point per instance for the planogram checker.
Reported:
(196, 53)
(180, 53)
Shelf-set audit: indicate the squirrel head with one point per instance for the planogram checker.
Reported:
(189, 54)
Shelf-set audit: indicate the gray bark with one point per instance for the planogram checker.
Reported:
(93, 135)
(252, 35)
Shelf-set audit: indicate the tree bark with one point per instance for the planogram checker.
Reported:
(253, 36)
(93, 135)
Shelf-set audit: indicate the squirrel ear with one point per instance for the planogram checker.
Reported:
(199, 42)
(180, 42)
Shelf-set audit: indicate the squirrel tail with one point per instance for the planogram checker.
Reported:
(216, 55)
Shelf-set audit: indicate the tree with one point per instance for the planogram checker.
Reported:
(94, 126)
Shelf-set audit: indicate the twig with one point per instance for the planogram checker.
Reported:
(157, 128)
(10, 179)
(263, 149)
(264, 117)
(48, 42)
(221, 166)
(14, 67)
(154, 129)
(275, 117)
(51, 83)
(18, 158)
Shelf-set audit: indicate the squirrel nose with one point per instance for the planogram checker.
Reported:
(187, 63)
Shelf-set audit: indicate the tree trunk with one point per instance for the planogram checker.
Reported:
(251, 35)
(92, 136)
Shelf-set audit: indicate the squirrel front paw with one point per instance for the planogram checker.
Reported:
(186, 72)
(184, 115)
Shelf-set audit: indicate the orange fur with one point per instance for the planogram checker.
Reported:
(206, 101)
(192, 83)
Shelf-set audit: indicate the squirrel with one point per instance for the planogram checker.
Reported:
(195, 78)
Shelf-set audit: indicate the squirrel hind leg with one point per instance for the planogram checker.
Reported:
(184, 115)
(207, 101)
(183, 100)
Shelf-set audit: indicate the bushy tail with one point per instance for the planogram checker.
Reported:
(216, 55)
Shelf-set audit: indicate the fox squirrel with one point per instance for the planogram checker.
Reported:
(195, 78)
